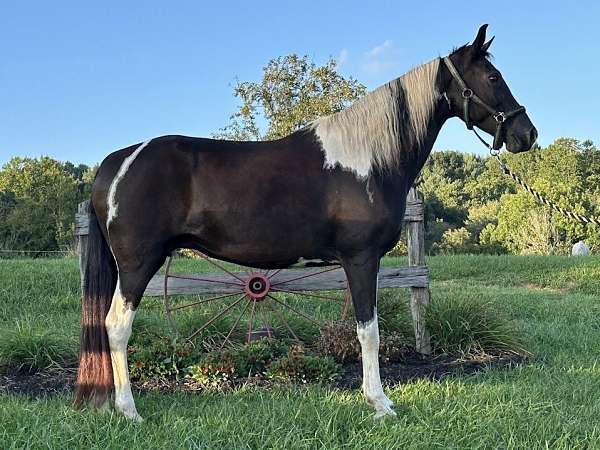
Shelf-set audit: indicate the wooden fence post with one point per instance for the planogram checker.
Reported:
(81, 231)
(419, 298)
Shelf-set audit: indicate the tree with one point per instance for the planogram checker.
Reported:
(564, 173)
(38, 199)
(293, 92)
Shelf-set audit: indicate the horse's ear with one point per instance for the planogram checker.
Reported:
(475, 49)
(486, 46)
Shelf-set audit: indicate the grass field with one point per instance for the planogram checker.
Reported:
(551, 401)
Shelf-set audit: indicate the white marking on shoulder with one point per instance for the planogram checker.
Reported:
(337, 152)
(112, 191)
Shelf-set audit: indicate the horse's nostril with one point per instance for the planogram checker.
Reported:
(533, 134)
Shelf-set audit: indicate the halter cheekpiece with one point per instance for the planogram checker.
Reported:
(468, 95)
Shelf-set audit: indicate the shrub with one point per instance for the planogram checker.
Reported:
(212, 375)
(253, 358)
(29, 348)
(296, 365)
(163, 359)
(394, 347)
(401, 247)
(470, 328)
(266, 358)
(340, 342)
(454, 240)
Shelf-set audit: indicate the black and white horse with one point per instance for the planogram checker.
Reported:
(336, 191)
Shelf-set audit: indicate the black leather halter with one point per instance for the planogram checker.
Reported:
(468, 95)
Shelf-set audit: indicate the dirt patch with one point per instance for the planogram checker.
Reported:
(415, 366)
(43, 383)
(49, 383)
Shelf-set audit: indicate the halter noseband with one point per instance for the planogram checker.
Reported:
(467, 94)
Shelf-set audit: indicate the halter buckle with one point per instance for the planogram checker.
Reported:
(467, 93)
(500, 117)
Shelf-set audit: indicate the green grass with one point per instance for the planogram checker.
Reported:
(551, 401)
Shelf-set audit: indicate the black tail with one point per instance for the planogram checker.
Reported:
(94, 377)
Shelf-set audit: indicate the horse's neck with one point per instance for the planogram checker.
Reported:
(410, 166)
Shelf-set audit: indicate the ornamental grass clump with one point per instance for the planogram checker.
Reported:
(28, 348)
(467, 327)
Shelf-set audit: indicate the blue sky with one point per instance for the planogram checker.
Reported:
(81, 79)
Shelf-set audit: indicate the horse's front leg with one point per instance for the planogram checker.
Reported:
(361, 272)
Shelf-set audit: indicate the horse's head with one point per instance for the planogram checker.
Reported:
(479, 95)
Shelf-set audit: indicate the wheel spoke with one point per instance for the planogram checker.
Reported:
(166, 300)
(211, 261)
(275, 273)
(306, 276)
(237, 321)
(301, 314)
(218, 316)
(206, 300)
(263, 315)
(186, 277)
(306, 294)
(251, 320)
(281, 317)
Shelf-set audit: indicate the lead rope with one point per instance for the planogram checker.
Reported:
(539, 197)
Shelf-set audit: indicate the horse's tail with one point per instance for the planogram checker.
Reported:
(95, 377)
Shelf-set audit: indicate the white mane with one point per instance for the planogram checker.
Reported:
(377, 128)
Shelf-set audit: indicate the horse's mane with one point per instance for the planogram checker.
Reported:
(376, 129)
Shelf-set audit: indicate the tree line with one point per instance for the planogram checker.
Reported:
(470, 205)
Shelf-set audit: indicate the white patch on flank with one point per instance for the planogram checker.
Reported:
(112, 191)
(118, 326)
(371, 132)
(368, 336)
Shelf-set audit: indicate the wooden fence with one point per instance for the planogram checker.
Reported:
(415, 276)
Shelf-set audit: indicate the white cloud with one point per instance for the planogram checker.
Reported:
(343, 56)
(381, 59)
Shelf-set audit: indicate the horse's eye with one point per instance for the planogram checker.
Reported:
(494, 77)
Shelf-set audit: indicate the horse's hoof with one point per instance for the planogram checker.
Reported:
(384, 412)
(133, 416)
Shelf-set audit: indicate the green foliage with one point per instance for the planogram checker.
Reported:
(298, 366)
(293, 91)
(38, 200)
(471, 206)
(339, 341)
(160, 359)
(455, 240)
(265, 358)
(222, 366)
(464, 326)
(28, 348)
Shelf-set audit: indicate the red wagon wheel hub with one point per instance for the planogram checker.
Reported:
(257, 287)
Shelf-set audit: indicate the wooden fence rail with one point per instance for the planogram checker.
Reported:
(415, 276)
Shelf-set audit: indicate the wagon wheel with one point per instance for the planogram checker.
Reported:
(248, 296)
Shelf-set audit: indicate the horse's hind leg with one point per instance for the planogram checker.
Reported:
(128, 293)
(361, 271)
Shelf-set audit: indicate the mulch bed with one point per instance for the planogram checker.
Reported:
(53, 381)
